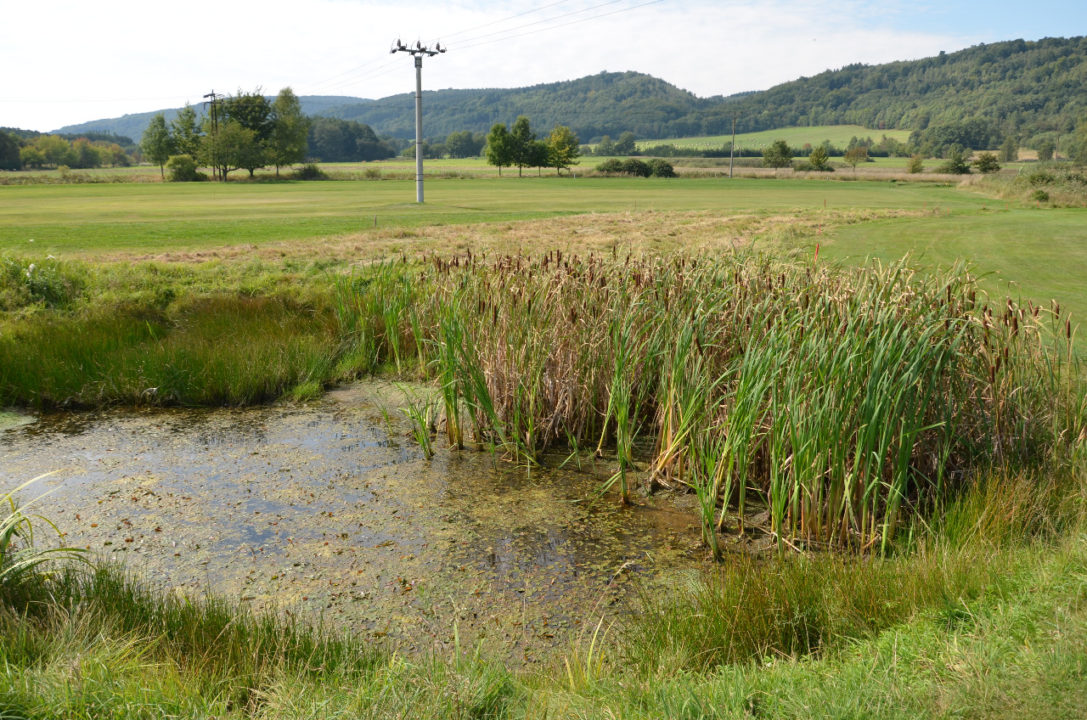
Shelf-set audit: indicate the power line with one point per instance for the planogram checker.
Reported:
(381, 69)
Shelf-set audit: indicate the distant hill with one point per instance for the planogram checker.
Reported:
(1016, 88)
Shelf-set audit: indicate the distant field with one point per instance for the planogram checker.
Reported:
(795, 136)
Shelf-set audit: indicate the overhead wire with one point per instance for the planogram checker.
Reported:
(373, 69)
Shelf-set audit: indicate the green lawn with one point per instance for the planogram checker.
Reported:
(156, 217)
(1038, 254)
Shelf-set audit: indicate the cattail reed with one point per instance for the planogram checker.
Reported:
(840, 400)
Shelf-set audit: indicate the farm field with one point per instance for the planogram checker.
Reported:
(839, 136)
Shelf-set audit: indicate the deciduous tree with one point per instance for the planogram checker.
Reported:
(156, 144)
(563, 148)
(777, 155)
(625, 144)
(185, 132)
(499, 147)
(521, 143)
(856, 155)
(287, 142)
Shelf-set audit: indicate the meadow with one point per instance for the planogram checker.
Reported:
(838, 135)
(909, 439)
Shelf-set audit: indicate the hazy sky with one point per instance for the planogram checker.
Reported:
(65, 62)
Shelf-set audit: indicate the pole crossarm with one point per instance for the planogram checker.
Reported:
(418, 52)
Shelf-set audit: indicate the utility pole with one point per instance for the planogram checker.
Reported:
(212, 97)
(418, 52)
(732, 148)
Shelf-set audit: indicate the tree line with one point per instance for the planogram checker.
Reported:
(21, 149)
(517, 145)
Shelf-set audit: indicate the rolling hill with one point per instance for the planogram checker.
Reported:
(1016, 88)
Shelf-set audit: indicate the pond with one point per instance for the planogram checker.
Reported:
(328, 511)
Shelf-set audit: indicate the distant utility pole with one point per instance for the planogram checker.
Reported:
(418, 52)
(732, 148)
(212, 97)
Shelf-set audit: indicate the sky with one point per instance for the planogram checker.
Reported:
(71, 62)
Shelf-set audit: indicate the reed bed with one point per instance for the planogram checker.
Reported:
(842, 401)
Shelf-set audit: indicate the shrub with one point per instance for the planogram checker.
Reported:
(1039, 196)
(778, 155)
(956, 162)
(610, 166)
(635, 167)
(309, 171)
(915, 165)
(986, 162)
(182, 168)
(661, 168)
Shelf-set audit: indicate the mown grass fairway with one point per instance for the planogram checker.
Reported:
(1033, 254)
(86, 219)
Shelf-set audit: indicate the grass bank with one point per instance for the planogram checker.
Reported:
(986, 618)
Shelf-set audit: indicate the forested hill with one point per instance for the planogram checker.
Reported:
(603, 104)
(1013, 88)
(1021, 88)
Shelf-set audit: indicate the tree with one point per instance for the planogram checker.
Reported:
(916, 164)
(1009, 150)
(777, 155)
(521, 143)
(336, 140)
(9, 152)
(287, 142)
(956, 161)
(661, 168)
(55, 150)
(605, 147)
(252, 112)
(1045, 150)
(499, 147)
(986, 162)
(185, 133)
(30, 156)
(156, 143)
(1078, 151)
(464, 144)
(563, 148)
(819, 158)
(625, 144)
(85, 154)
(856, 155)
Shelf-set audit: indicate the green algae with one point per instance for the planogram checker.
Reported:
(327, 511)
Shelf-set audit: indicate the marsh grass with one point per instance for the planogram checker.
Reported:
(843, 400)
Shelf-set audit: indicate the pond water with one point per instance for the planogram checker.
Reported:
(328, 510)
